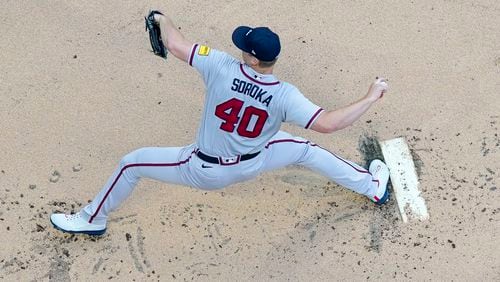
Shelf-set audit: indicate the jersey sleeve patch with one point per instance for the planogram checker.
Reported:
(203, 50)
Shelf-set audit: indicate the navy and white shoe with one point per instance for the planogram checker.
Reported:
(380, 174)
(76, 224)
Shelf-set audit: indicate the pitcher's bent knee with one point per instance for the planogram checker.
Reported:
(131, 158)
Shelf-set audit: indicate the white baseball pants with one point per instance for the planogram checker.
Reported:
(181, 165)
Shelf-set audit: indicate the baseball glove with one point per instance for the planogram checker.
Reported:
(155, 34)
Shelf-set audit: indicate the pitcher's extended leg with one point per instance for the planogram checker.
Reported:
(163, 164)
(155, 163)
(285, 149)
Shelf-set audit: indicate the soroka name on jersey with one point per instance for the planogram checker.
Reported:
(252, 90)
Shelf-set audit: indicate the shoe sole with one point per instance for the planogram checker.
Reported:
(92, 233)
(384, 198)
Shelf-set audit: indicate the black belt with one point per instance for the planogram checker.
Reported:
(214, 160)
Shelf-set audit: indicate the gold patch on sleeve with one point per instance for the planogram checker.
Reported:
(204, 50)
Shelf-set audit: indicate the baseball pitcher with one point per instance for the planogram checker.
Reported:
(239, 136)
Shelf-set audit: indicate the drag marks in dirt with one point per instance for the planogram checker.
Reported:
(136, 250)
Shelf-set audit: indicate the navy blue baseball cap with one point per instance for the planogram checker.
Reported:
(261, 42)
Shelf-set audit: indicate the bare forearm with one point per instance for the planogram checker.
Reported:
(341, 118)
(331, 121)
(173, 39)
(168, 30)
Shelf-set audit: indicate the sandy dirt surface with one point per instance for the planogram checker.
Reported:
(79, 88)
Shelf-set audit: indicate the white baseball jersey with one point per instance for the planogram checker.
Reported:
(243, 108)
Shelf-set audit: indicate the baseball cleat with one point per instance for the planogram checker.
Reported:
(380, 173)
(76, 224)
